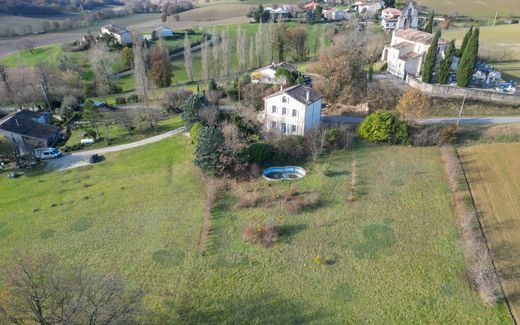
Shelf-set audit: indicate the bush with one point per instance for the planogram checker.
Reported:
(250, 200)
(288, 149)
(194, 132)
(258, 152)
(115, 89)
(74, 147)
(434, 135)
(264, 234)
(384, 127)
(132, 98)
(297, 204)
(120, 100)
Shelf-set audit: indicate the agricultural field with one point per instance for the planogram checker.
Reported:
(387, 255)
(492, 171)
(475, 8)
(499, 43)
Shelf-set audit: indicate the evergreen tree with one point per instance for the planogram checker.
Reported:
(468, 60)
(208, 149)
(190, 109)
(430, 59)
(429, 25)
(444, 71)
(465, 41)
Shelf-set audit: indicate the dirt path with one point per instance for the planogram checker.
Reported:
(78, 159)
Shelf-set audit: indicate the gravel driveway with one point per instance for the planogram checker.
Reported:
(78, 159)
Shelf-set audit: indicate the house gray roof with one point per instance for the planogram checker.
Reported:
(24, 122)
(299, 92)
(116, 29)
(281, 65)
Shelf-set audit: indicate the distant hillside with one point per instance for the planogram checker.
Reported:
(47, 7)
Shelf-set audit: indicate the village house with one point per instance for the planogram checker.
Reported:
(368, 6)
(311, 6)
(409, 18)
(278, 13)
(161, 32)
(28, 130)
(336, 14)
(406, 52)
(390, 18)
(121, 34)
(267, 75)
(293, 111)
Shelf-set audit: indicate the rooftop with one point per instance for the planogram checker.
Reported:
(115, 29)
(299, 92)
(414, 35)
(24, 122)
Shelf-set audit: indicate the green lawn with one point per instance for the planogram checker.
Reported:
(476, 8)
(391, 255)
(119, 135)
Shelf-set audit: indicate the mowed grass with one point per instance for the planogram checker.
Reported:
(476, 8)
(390, 256)
(498, 39)
(495, 184)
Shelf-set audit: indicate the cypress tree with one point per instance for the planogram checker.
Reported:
(468, 60)
(465, 41)
(446, 63)
(429, 25)
(430, 59)
(208, 149)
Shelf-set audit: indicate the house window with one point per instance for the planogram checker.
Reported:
(273, 124)
(284, 128)
(293, 128)
(273, 110)
(284, 110)
(284, 99)
(294, 112)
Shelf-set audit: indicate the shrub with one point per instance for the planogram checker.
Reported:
(120, 100)
(259, 152)
(384, 127)
(194, 132)
(296, 205)
(264, 234)
(132, 98)
(434, 135)
(115, 89)
(288, 148)
(250, 200)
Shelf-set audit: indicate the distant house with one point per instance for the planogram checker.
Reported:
(368, 6)
(266, 75)
(293, 111)
(406, 52)
(409, 18)
(278, 13)
(28, 130)
(162, 32)
(336, 14)
(121, 34)
(311, 6)
(389, 18)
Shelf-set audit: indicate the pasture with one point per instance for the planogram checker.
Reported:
(389, 256)
(475, 8)
(493, 175)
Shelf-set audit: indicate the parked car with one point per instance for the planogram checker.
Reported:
(95, 158)
(47, 153)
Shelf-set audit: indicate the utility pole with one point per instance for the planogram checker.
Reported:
(461, 108)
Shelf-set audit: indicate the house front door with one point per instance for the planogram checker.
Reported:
(284, 128)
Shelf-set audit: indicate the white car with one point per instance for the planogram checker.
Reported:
(47, 153)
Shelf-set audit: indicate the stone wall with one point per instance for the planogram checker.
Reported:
(458, 92)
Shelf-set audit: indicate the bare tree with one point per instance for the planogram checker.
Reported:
(316, 142)
(43, 292)
(216, 54)
(204, 54)
(188, 59)
(28, 44)
(259, 44)
(142, 83)
(241, 49)
(45, 78)
(251, 52)
(102, 61)
(6, 83)
(225, 46)
(269, 38)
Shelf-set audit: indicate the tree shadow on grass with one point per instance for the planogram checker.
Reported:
(267, 308)
(287, 231)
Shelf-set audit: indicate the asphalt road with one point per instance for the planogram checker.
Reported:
(78, 159)
(433, 120)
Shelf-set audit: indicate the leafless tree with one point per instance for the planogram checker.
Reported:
(251, 52)
(142, 83)
(241, 49)
(209, 115)
(6, 83)
(173, 99)
(269, 38)
(45, 79)
(316, 142)
(205, 60)
(188, 59)
(225, 46)
(27, 44)
(259, 38)
(102, 61)
(216, 54)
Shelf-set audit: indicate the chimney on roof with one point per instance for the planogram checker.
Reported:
(307, 95)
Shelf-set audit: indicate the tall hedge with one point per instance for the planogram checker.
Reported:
(465, 41)
(430, 59)
(468, 60)
(429, 24)
(384, 127)
(444, 71)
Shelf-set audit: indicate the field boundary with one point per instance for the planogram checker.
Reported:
(486, 242)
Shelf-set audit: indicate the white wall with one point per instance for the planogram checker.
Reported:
(305, 119)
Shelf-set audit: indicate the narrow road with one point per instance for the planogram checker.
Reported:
(78, 159)
(432, 120)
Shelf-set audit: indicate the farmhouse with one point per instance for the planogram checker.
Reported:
(368, 6)
(295, 110)
(267, 75)
(389, 18)
(278, 13)
(121, 34)
(28, 130)
(162, 32)
(406, 52)
(336, 14)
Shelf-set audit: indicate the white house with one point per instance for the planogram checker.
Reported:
(162, 32)
(294, 110)
(389, 18)
(282, 13)
(336, 14)
(266, 75)
(121, 34)
(406, 52)
(368, 6)
(409, 18)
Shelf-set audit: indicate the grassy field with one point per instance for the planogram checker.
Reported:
(495, 184)
(390, 256)
(501, 40)
(476, 8)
